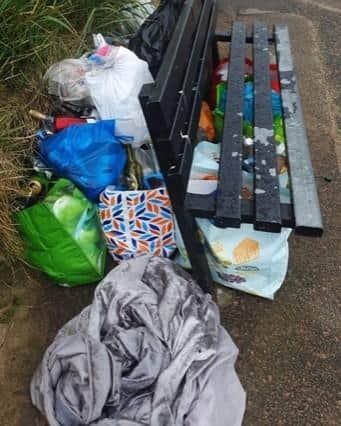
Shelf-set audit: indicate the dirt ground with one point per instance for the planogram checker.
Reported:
(289, 359)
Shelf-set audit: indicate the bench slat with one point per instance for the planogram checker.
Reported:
(198, 89)
(204, 76)
(228, 211)
(202, 205)
(227, 36)
(305, 199)
(172, 71)
(266, 193)
(187, 93)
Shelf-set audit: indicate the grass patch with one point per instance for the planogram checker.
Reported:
(34, 34)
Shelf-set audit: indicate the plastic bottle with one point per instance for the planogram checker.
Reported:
(56, 123)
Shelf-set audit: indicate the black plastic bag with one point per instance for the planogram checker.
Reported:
(151, 41)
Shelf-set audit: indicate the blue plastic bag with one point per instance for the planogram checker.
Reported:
(248, 102)
(90, 155)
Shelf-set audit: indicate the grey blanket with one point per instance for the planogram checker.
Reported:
(149, 350)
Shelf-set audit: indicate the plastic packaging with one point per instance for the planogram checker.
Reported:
(151, 41)
(220, 74)
(62, 236)
(137, 222)
(90, 155)
(147, 157)
(249, 100)
(219, 111)
(204, 173)
(114, 83)
(206, 121)
(279, 130)
(66, 79)
(134, 171)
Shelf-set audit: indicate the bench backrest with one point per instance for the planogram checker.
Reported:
(172, 105)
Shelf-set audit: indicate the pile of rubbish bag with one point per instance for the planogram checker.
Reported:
(97, 187)
(150, 349)
(97, 184)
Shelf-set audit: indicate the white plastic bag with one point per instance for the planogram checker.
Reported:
(114, 83)
(146, 156)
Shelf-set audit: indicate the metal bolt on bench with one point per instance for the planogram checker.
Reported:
(172, 108)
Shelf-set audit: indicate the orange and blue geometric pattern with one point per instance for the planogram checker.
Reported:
(137, 222)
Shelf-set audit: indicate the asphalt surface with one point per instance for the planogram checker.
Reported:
(289, 359)
(290, 348)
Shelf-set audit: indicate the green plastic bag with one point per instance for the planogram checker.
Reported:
(63, 237)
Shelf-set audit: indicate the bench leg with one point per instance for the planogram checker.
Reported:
(177, 186)
(196, 252)
(190, 235)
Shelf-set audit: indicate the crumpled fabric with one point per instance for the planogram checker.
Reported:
(149, 350)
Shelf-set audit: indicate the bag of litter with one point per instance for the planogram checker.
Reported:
(66, 80)
(151, 41)
(114, 83)
(252, 261)
(244, 259)
(90, 155)
(63, 237)
(136, 223)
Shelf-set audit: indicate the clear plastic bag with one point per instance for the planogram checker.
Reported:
(146, 156)
(66, 80)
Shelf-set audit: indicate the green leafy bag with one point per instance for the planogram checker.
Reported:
(63, 236)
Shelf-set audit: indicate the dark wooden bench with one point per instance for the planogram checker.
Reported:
(172, 108)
